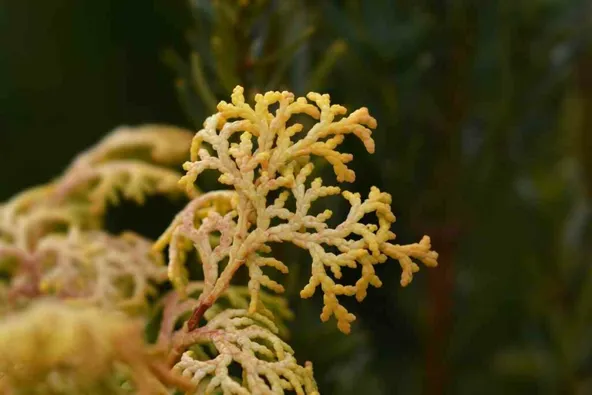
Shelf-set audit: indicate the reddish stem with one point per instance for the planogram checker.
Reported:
(193, 322)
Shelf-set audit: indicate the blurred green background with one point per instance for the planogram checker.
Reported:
(484, 141)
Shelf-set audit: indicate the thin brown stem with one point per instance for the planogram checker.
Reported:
(193, 322)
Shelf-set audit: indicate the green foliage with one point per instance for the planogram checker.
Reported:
(483, 139)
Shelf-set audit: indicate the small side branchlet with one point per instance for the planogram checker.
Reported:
(250, 340)
(176, 309)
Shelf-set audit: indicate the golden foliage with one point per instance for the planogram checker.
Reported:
(268, 169)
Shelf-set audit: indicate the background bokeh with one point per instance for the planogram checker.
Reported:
(484, 141)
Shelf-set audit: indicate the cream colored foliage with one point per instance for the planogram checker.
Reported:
(51, 234)
(250, 340)
(53, 348)
(272, 157)
(100, 269)
(130, 161)
(91, 267)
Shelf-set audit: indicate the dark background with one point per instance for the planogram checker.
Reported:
(484, 139)
(71, 71)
